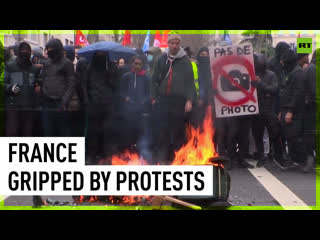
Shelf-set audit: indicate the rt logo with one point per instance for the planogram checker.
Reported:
(304, 45)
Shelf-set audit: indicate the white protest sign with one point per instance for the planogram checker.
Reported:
(233, 70)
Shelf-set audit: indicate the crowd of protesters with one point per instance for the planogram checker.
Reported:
(143, 104)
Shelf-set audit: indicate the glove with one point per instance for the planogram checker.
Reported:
(15, 89)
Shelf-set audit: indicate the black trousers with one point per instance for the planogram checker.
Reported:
(99, 135)
(294, 135)
(259, 123)
(226, 130)
(168, 128)
(309, 129)
(19, 123)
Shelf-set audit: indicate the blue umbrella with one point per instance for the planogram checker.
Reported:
(115, 50)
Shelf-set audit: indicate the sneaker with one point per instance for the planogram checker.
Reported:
(309, 165)
(284, 165)
(261, 162)
(245, 164)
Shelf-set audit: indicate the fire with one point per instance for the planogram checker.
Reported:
(128, 158)
(197, 151)
(200, 147)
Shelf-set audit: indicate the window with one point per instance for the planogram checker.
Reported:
(45, 38)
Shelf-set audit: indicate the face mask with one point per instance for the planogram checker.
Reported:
(203, 59)
(149, 57)
(53, 54)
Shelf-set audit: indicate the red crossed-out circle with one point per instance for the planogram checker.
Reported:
(218, 70)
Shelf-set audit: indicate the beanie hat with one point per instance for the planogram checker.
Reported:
(174, 37)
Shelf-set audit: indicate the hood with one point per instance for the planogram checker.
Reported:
(281, 48)
(24, 59)
(203, 49)
(180, 54)
(57, 47)
(70, 53)
(155, 51)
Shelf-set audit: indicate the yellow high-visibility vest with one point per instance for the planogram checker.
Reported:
(195, 75)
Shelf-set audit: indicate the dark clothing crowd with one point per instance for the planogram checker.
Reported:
(143, 105)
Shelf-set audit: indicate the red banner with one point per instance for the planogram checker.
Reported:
(81, 39)
(126, 38)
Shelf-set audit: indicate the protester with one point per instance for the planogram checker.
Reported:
(153, 55)
(173, 92)
(204, 87)
(292, 105)
(102, 75)
(81, 89)
(267, 85)
(57, 89)
(310, 111)
(276, 65)
(135, 91)
(20, 78)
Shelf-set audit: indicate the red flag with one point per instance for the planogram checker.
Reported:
(299, 35)
(81, 39)
(127, 38)
(157, 39)
(164, 40)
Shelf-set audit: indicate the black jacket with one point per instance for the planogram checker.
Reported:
(81, 80)
(292, 97)
(275, 66)
(58, 80)
(310, 85)
(102, 85)
(25, 79)
(266, 91)
(182, 84)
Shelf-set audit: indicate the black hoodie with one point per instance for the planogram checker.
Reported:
(58, 75)
(23, 73)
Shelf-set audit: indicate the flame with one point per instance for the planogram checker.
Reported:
(200, 147)
(197, 151)
(128, 158)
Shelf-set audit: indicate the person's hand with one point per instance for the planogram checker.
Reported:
(37, 89)
(288, 117)
(188, 106)
(258, 78)
(15, 89)
(279, 116)
(153, 101)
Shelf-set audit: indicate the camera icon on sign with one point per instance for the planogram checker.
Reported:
(241, 78)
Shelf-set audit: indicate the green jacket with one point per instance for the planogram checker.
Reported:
(182, 83)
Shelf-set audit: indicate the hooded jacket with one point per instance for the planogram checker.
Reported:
(101, 82)
(274, 64)
(204, 75)
(23, 73)
(182, 81)
(58, 80)
(70, 53)
(311, 78)
(292, 97)
(136, 86)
